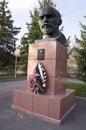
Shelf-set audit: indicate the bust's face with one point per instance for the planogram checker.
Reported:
(48, 21)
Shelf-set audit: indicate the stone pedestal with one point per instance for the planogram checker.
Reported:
(55, 62)
(57, 101)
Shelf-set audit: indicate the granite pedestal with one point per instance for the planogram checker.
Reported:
(57, 102)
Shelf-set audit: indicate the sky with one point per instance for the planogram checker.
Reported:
(72, 11)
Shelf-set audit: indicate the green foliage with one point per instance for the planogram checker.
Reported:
(7, 62)
(7, 31)
(46, 2)
(68, 42)
(82, 41)
(24, 58)
(33, 28)
(81, 62)
(33, 33)
(79, 87)
(8, 77)
(80, 54)
(7, 34)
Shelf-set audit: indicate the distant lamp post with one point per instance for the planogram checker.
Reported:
(16, 53)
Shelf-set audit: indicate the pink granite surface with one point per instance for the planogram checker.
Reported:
(57, 102)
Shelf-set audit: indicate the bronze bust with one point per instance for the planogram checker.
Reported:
(49, 22)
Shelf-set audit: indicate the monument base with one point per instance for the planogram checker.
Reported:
(57, 101)
(52, 108)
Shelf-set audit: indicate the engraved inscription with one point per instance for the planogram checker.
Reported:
(41, 54)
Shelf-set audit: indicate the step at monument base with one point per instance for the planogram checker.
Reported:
(51, 108)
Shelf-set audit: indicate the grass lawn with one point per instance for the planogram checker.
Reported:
(11, 77)
(79, 87)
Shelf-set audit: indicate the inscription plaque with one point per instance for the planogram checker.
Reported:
(41, 54)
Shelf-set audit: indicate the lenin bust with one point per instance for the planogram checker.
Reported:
(49, 22)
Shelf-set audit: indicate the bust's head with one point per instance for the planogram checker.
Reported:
(49, 21)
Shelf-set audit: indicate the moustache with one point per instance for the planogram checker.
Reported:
(46, 25)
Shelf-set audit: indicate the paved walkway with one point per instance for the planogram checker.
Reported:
(74, 80)
(11, 119)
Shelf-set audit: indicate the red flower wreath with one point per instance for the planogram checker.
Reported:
(37, 80)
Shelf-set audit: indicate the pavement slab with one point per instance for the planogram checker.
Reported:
(11, 119)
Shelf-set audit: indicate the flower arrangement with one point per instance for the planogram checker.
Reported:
(37, 80)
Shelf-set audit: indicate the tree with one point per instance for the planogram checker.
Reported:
(33, 28)
(80, 55)
(7, 33)
(24, 53)
(34, 31)
(46, 2)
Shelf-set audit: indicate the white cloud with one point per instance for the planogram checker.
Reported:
(17, 5)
